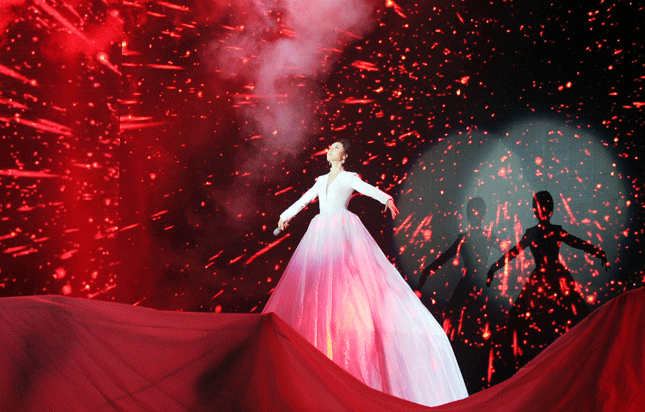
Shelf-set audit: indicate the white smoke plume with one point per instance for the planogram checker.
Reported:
(284, 49)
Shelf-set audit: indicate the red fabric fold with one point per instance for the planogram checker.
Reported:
(67, 354)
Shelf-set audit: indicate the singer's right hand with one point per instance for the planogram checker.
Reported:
(282, 225)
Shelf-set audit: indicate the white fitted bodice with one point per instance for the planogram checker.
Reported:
(336, 196)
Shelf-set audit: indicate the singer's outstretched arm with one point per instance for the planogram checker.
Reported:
(300, 204)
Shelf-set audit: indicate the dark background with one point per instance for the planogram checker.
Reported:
(149, 147)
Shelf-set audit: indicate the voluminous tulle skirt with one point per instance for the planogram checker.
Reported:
(343, 295)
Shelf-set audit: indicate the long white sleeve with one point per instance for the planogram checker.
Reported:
(300, 204)
(369, 190)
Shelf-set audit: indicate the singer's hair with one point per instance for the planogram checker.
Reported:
(347, 146)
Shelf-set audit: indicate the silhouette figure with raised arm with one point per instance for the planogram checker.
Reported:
(549, 304)
(472, 312)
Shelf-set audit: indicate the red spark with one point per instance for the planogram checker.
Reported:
(133, 4)
(12, 73)
(464, 80)
(491, 356)
(13, 104)
(9, 236)
(363, 65)
(165, 66)
(351, 100)
(238, 28)
(487, 333)
(266, 249)
(249, 96)
(173, 6)
(40, 124)
(348, 33)
(288, 32)
(128, 126)
(93, 295)
(283, 191)
(14, 249)
(397, 9)
(216, 255)
(132, 226)
(413, 132)
(230, 262)
(68, 254)
(568, 209)
(516, 350)
(402, 225)
(102, 58)
(25, 173)
(425, 221)
(25, 252)
(158, 214)
(93, 45)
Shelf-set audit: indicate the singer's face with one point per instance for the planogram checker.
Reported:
(336, 152)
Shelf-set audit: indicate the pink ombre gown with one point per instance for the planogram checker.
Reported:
(342, 294)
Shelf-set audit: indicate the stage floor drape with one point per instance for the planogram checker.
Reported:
(68, 354)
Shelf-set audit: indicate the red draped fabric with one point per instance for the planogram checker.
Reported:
(67, 354)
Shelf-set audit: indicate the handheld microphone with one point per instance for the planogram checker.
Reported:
(277, 231)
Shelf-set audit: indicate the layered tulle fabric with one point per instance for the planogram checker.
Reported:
(343, 295)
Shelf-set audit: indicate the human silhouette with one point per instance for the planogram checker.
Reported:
(472, 312)
(549, 304)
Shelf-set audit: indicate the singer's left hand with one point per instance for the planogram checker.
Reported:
(390, 205)
(282, 225)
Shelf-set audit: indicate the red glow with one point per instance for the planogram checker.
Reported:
(351, 100)
(173, 6)
(396, 7)
(12, 73)
(266, 249)
(363, 65)
(568, 209)
(179, 135)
